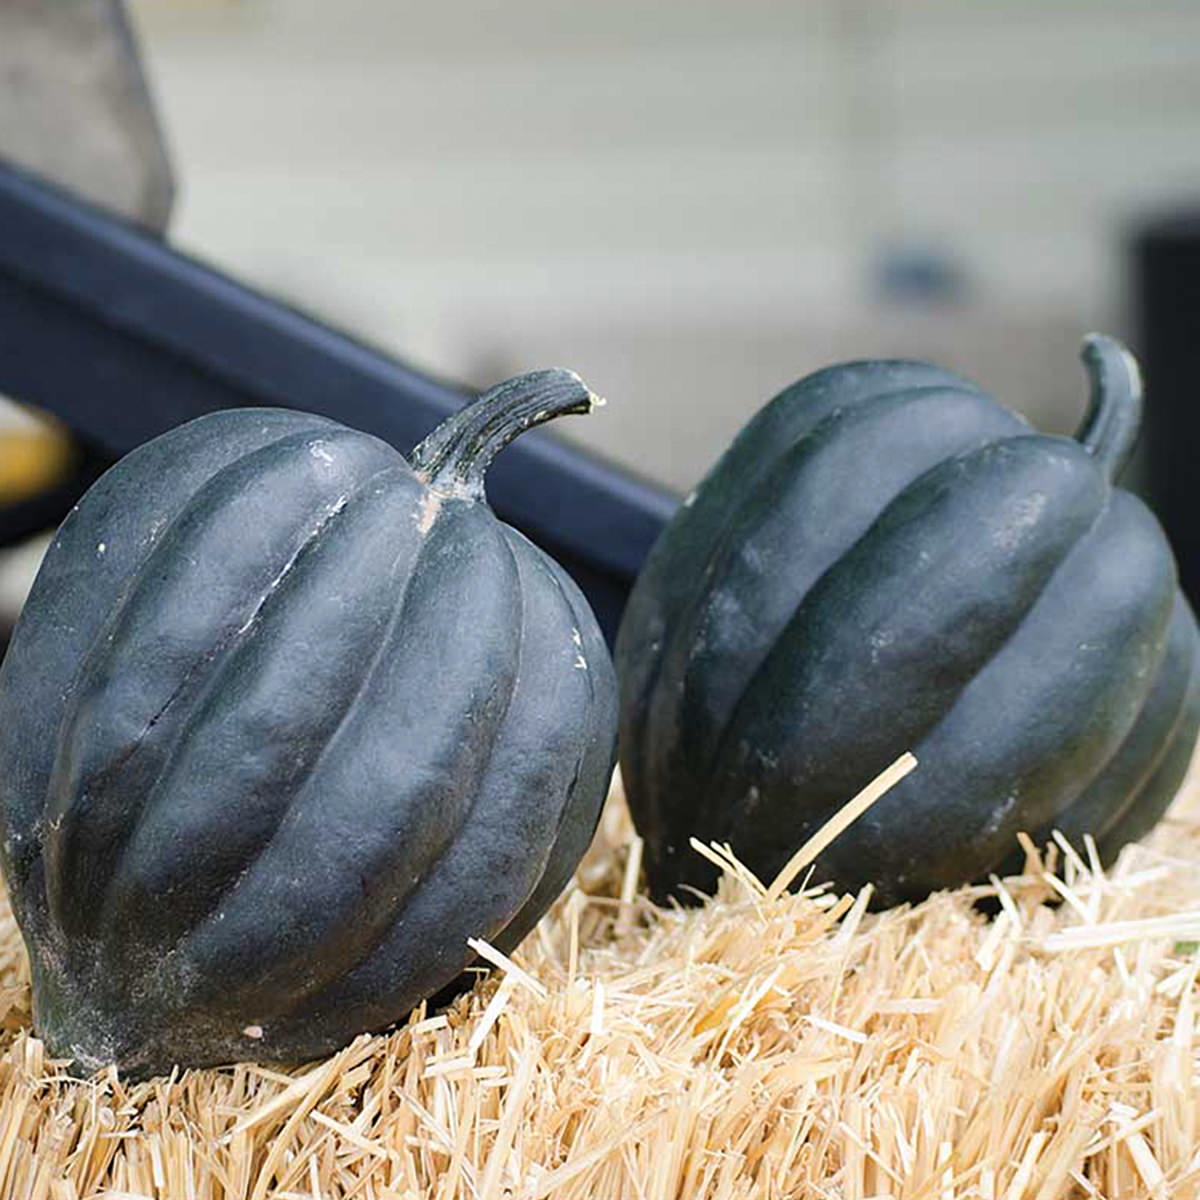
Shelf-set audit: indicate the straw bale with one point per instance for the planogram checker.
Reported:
(766, 1045)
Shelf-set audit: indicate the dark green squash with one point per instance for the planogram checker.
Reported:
(887, 560)
(284, 722)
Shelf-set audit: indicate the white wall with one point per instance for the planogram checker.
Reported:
(685, 202)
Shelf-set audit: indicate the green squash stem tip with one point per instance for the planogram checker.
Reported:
(455, 457)
(1110, 426)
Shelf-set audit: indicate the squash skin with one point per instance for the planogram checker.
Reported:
(887, 560)
(283, 724)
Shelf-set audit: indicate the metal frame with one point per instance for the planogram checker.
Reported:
(122, 337)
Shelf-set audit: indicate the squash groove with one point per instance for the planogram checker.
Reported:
(147, 668)
(27, 682)
(794, 510)
(230, 751)
(1155, 796)
(904, 671)
(668, 577)
(518, 795)
(279, 919)
(572, 838)
(1116, 785)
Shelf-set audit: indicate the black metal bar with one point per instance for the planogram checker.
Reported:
(123, 337)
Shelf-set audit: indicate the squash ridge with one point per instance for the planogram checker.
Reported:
(348, 988)
(677, 658)
(551, 880)
(132, 580)
(315, 998)
(548, 881)
(225, 659)
(70, 794)
(26, 816)
(790, 407)
(1177, 728)
(1066, 751)
(1157, 793)
(365, 676)
(832, 424)
(1104, 764)
(222, 649)
(669, 614)
(712, 799)
(216, 651)
(162, 535)
(205, 939)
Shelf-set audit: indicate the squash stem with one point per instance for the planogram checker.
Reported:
(455, 457)
(1110, 427)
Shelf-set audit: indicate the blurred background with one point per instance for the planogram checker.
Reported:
(691, 205)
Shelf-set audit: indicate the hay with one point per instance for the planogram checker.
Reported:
(762, 1046)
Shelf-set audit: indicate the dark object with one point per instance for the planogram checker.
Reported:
(909, 273)
(887, 560)
(1167, 294)
(123, 338)
(320, 718)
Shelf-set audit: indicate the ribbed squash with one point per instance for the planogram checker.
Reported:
(888, 560)
(284, 722)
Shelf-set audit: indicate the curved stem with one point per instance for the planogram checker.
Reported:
(456, 455)
(1110, 426)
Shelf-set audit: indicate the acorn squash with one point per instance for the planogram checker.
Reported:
(284, 722)
(886, 560)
